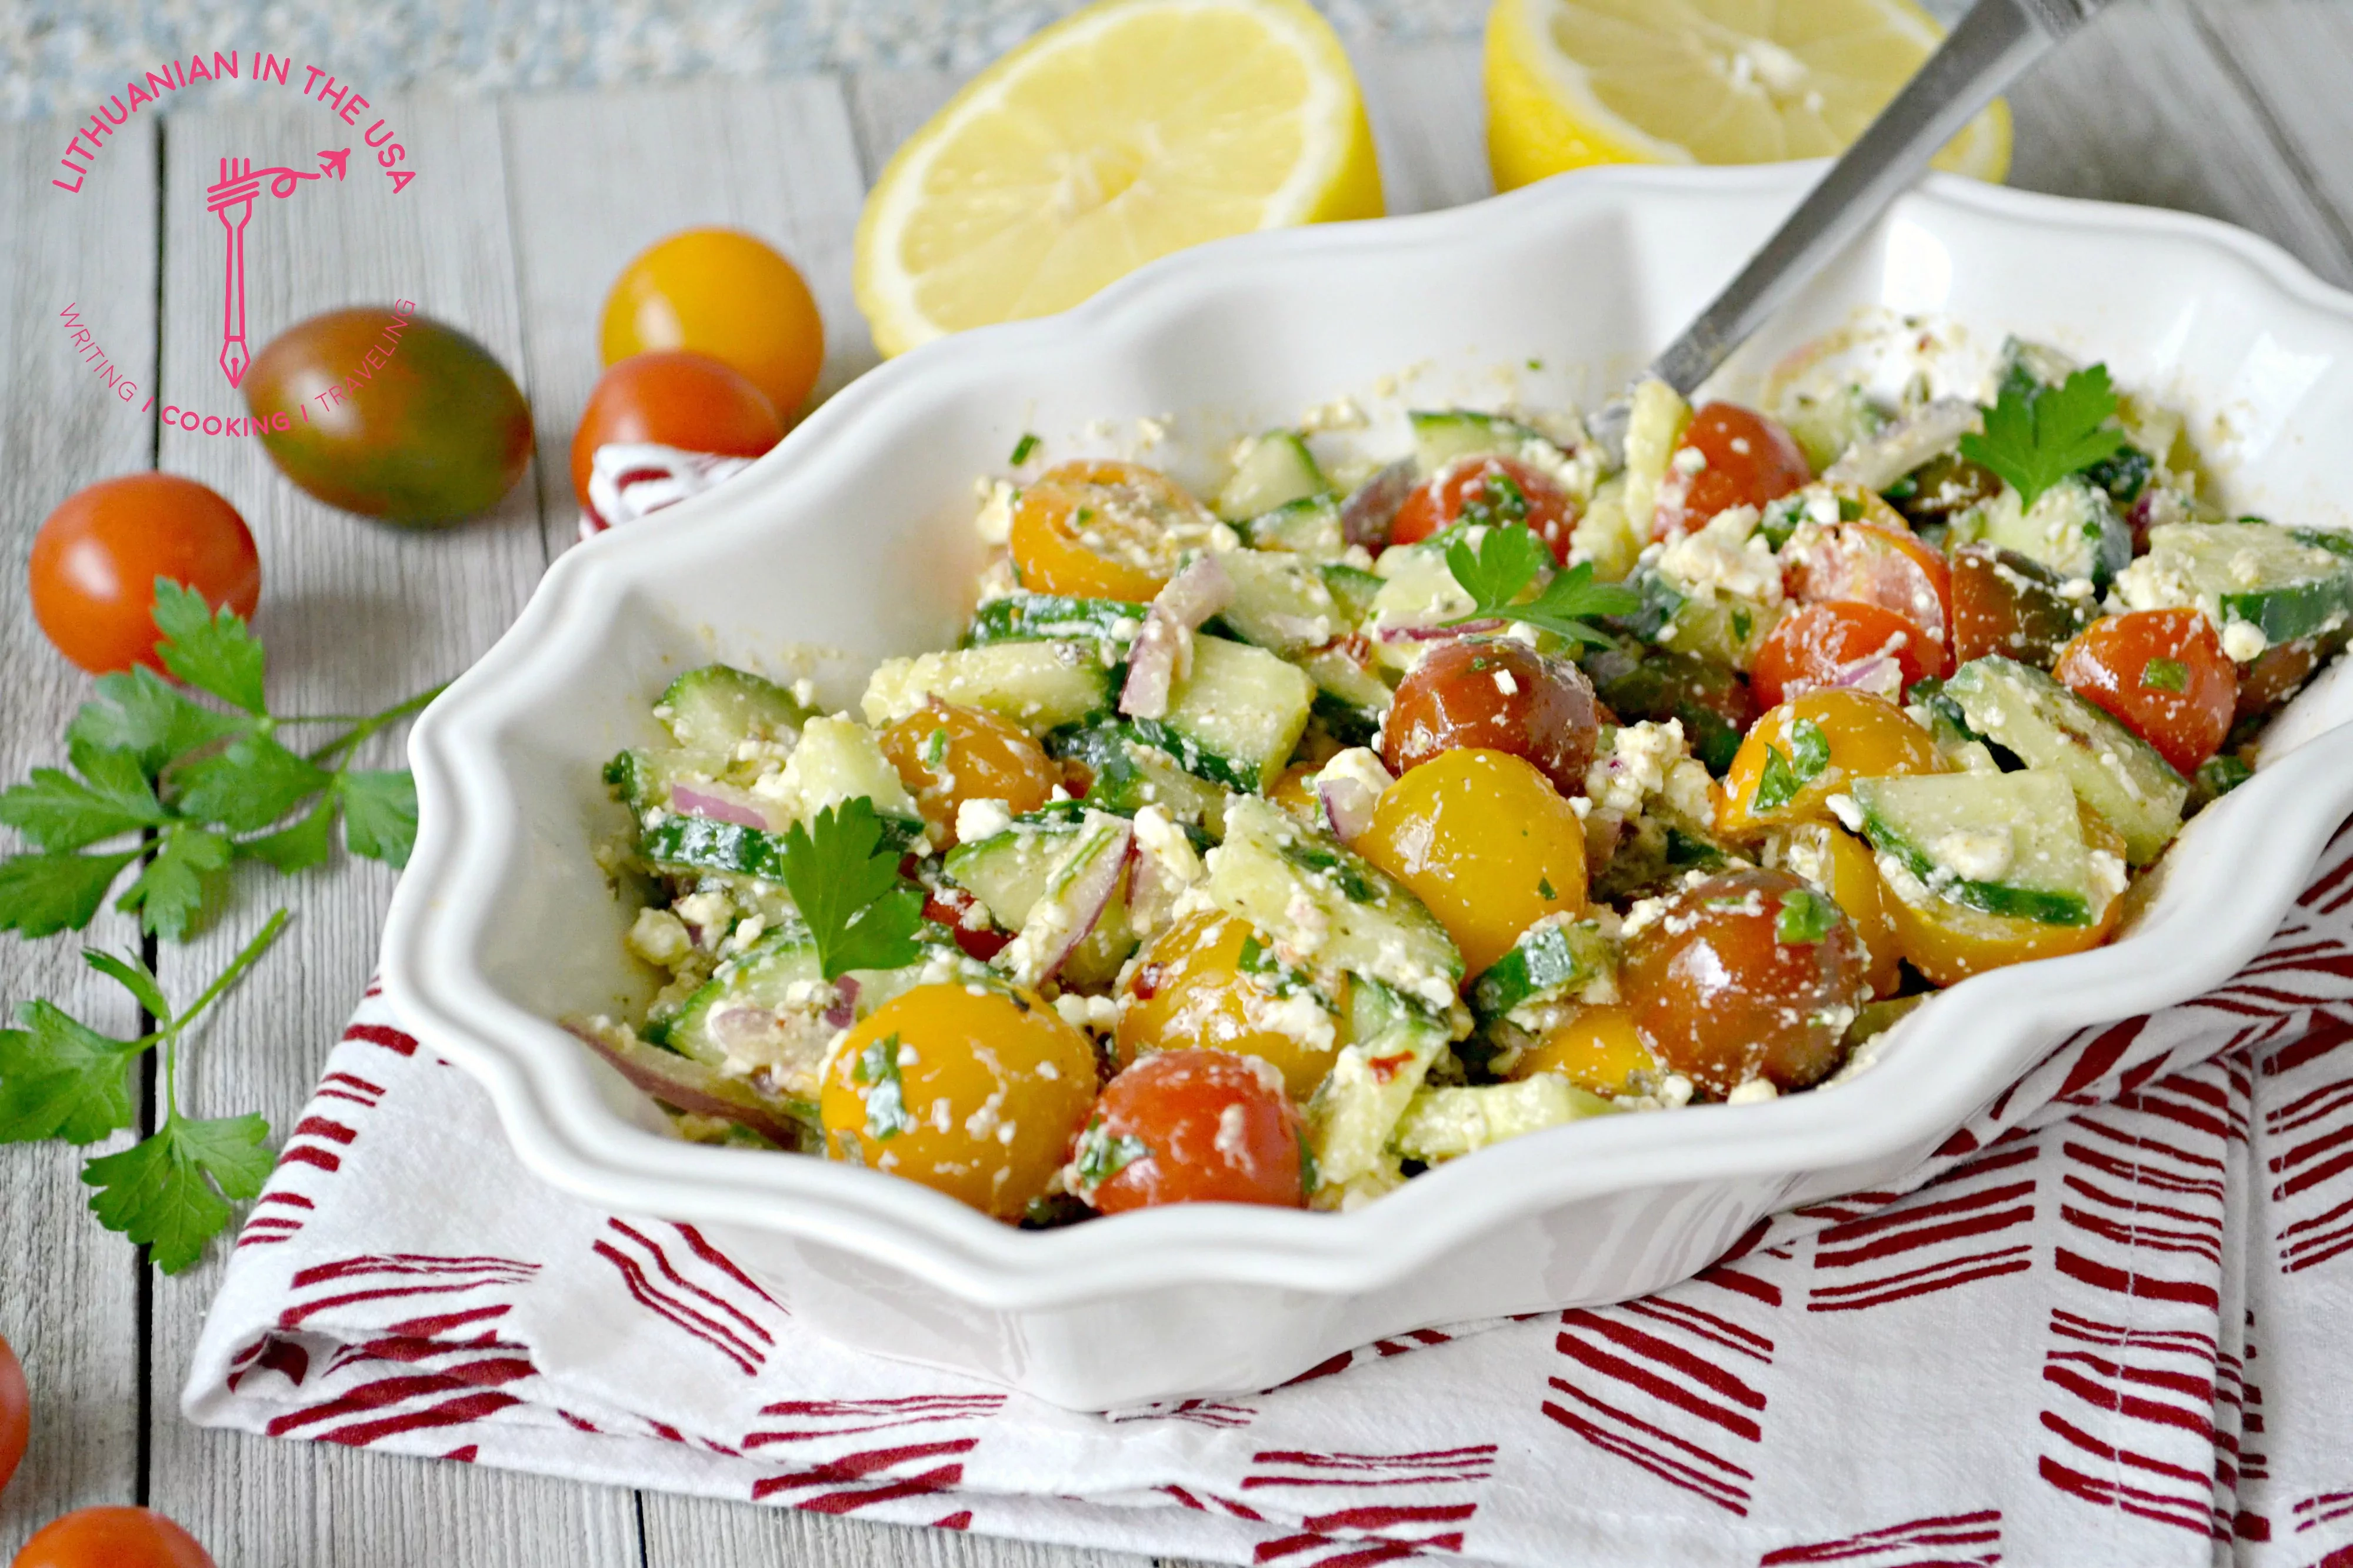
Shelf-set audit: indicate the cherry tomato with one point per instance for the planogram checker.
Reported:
(1211, 982)
(1598, 1049)
(721, 292)
(96, 559)
(1491, 490)
(437, 430)
(1862, 563)
(1745, 459)
(972, 1092)
(113, 1538)
(1100, 530)
(1294, 791)
(1825, 740)
(2009, 604)
(1948, 942)
(1946, 486)
(946, 754)
(1191, 1127)
(674, 398)
(1748, 974)
(1712, 701)
(968, 921)
(1844, 867)
(15, 1413)
(1485, 843)
(2281, 668)
(2164, 674)
(1497, 694)
(1812, 645)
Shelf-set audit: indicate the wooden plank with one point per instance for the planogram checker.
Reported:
(357, 615)
(70, 1295)
(2288, 62)
(596, 177)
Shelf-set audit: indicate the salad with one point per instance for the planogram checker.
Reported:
(1276, 845)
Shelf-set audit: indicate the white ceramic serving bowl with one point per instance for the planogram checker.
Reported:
(856, 533)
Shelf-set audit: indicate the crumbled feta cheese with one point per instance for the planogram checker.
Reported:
(1850, 814)
(659, 937)
(1727, 556)
(1975, 856)
(1688, 460)
(1755, 1091)
(1632, 766)
(979, 819)
(994, 522)
(1339, 413)
(2244, 641)
(1675, 1091)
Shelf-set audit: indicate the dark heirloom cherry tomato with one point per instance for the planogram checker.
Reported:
(2164, 673)
(1497, 694)
(1711, 701)
(2009, 604)
(1191, 1127)
(2280, 668)
(15, 1413)
(674, 398)
(113, 1538)
(1812, 645)
(1863, 563)
(438, 430)
(1750, 460)
(1748, 974)
(1944, 487)
(96, 560)
(1467, 490)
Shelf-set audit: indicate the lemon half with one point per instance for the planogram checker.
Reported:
(1575, 82)
(1130, 130)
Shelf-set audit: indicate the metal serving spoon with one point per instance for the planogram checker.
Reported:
(1992, 47)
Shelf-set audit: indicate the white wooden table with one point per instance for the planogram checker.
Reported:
(528, 207)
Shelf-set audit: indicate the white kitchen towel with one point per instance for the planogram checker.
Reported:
(2111, 1323)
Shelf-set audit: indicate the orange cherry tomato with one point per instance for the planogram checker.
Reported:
(1100, 529)
(1209, 983)
(1843, 865)
(1747, 459)
(1598, 1049)
(674, 398)
(96, 559)
(1191, 1127)
(1490, 489)
(1499, 695)
(1824, 740)
(1948, 942)
(1862, 563)
(1814, 645)
(721, 292)
(15, 1413)
(2164, 674)
(113, 1538)
(947, 753)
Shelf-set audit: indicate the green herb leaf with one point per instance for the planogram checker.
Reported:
(877, 1068)
(133, 974)
(57, 811)
(210, 649)
(171, 892)
(1021, 449)
(249, 785)
(379, 813)
(300, 846)
(2164, 675)
(846, 883)
(1507, 560)
(2036, 437)
(43, 894)
(142, 713)
(1783, 776)
(1100, 1155)
(62, 1078)
(1806, 917)
(168, 1193)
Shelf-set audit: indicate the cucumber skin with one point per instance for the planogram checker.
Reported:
(2144, 836)
(1541, 964)
(2040, 906)
(701, 844)
(727, 700)
(1050, 618)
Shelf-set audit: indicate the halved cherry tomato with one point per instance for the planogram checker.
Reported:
(1598, 1049)
(1814, 645)
(1842, 865)
(96, 559)
(724, 293)
(1948, 942)
(1823, 741)
(1499, 694)
(113, 1538)
(1491, 490)
(1945, 486)
(1191, 1127)
(968, 921)
(946, 754)
(1860, 562)
(2280, 668)
(1745, 459)
(674, 398)
(2164, 673)
(1099, 529)
(1711, 701)
(1209, 983)
(15, 1413)
(2009, 604)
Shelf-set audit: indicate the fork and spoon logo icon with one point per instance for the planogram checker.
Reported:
(232, 197)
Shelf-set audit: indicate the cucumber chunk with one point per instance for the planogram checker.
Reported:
(1443, 436)
(1350, 699)
(1352, 589)
(1050, 618)
(715, 708)
(1236, 718)
(1279, 601)
(640, 778)
(1554, 958)
(1278, 468)
(1128, 777)
(2009, 844)
(1016, 871)
(685, 845)
(2073, 528)
(2253, 573)
(1037, 685)
(1330, 904)
(2112, 769)
(1309, 526)
(1350, 1117)
(1448, 1123)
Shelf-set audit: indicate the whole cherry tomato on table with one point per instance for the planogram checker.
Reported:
(690, 401)
(15, 1413)
(1491, 490)
(724, 293)
(96, 560)
(1501, 695)
(2164, 674)
(113, 1538)
(1189, 1127)
(1740, 457)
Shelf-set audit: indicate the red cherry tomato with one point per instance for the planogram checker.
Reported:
(1860, 562)
(113, 1538)
(1748, 460)
(1189, 1127)
(674, 398)
(2164, 673)
(966, 919)
(1814, 645)
(96, 560)
(15, 1413)
(1467, 490)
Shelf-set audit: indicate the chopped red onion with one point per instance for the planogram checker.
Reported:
(1349, 796)
(1879, 675)
(1441, 634)
(691, 1087)
(1163, 650)
(720, 804)
(1366, 517)
(1063, 920)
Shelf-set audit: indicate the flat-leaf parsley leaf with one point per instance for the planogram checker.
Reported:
(1507, 560)
(2035, 438)
(845, 880)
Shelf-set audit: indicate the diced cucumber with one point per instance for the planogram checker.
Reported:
(2073, 528)
(1309, 526)
(1442, 436)
(1236, 718)
(1129, 776)
(1050, 618)
(1329, 903)
(684, 845)
(1276, 470)
(2283, 585)
(715, 708)
(1553, 959)
(1826, 426)
(2112, 769)
(839, 760)
(640, 779)
(1279, 601)
(1014, 872)
(1349, 698)
(1391, 1043)
(1352, 589)
(1418, 590)
(2027, 368)
(2009, 844)
(1725, 628)
(1037, 685)
(1448, 1123)
(1654, 425)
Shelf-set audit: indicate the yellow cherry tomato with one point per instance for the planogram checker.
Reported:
(1098, 529)
(727, 294)
(1485, 842)
(1294, 791)
(1948, 942)
(1834, 859)
(1598, 1049)
(972, 1092)
(1192, 992)
(947, 753)
(1841, 735)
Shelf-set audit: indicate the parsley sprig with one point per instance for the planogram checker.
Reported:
(62, 1078)
(845, 880)
(1508, 559)
(2036, 436)
(203, 787)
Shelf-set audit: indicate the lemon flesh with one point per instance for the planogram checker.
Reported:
(1128, 130)
(1576, 82)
